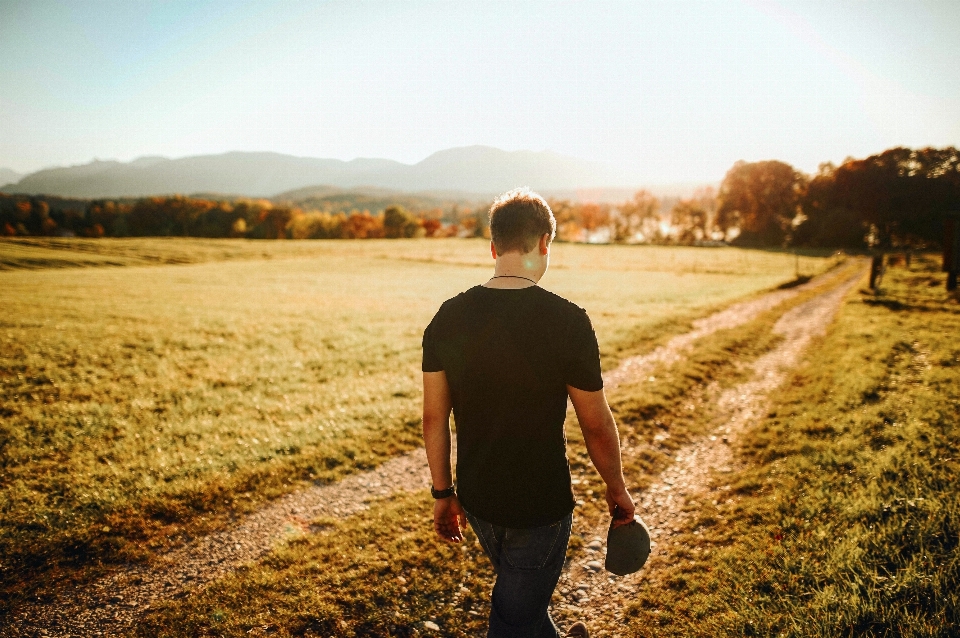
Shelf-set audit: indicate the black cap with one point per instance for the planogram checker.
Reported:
(628, 547)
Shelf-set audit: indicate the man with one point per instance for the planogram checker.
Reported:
(504, 356)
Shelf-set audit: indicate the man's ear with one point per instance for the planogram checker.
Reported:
(544, 243)
(493, 250)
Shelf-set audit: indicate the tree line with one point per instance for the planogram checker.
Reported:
(179, 216)
(897, 198)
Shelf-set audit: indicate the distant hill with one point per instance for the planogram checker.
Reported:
(323, 190)
(332, 199)
(8, 176)
(616, 195)
(474, 169)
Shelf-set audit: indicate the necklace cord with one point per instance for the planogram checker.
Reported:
(514, 277)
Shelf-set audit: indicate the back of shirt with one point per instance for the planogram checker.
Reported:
(508, 355)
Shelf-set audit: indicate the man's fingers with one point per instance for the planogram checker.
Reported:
(449, 529)
(449, 520)
(622, 508)
(451, 536)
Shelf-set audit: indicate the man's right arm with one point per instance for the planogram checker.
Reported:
(449, 520)
(603, 444)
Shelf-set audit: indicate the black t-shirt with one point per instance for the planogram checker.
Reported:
(508, 356)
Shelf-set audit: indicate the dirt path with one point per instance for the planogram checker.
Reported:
(730, 317)
(590, 593)
(113, 603)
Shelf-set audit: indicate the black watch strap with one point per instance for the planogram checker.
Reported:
(438, 494)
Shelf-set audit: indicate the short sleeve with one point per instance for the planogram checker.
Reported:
(431, 362)
(582, 369)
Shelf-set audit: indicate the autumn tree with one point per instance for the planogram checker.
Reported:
(103, 216)
(21, 216)
(693, 218)
(895, 198)
(431, 226)
(363, 225)
(398, 222)
(317, 225)
(568, 224)
(27, 216)
(594, 216)
(690, 220)
(165, 216)
(639, 215)
(761, 200)
(706, 198)
(827, 221)
(276, 220)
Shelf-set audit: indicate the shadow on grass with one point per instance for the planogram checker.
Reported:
(799, 281)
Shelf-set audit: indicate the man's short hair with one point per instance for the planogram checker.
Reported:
(518, 219)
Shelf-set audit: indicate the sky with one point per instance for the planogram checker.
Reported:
(666, 92)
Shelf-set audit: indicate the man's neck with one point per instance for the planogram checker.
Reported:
(516, 270)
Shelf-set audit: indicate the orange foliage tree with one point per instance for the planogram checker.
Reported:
(761, 200)
(638, 216)
(362, 225)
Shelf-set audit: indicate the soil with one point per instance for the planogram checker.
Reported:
(112, 604)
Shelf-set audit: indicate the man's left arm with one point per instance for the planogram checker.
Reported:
(448, 517)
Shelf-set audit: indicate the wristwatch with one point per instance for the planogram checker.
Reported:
(447, 493)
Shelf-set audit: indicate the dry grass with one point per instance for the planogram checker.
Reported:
(146, 404)
(847, 518)
(384, 572)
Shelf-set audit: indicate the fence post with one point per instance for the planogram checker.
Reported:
(876, 271)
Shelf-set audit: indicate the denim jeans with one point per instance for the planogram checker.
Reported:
(528, 563)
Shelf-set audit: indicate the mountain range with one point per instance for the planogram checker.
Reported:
(8, 176)
(471, 169)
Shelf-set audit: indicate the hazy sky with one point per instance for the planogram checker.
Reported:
(669, 91)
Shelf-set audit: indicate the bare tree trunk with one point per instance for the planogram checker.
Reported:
(876, 271)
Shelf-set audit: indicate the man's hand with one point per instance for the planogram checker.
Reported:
(449, 521)
(621, 506)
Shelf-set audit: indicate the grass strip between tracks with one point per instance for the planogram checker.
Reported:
(847, 520)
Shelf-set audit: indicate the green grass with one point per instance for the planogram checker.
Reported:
(847, 520)
(143, 405)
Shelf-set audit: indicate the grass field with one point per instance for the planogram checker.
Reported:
(846, 521)
(148, 403)
(384, 572)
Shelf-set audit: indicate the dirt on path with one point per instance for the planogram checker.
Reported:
(110, 605)
(593, 595)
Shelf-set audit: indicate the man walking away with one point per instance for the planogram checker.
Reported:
(504, 356)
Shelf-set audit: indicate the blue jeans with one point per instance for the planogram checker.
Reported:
(528, 563)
